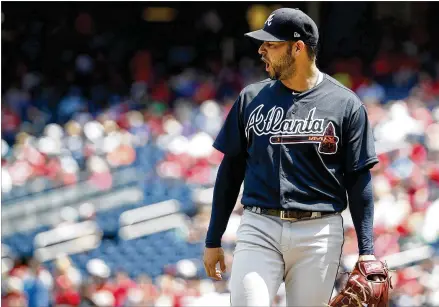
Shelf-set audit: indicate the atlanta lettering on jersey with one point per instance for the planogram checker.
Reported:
(274, 123)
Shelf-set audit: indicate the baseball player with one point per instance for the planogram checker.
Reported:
(303, 146)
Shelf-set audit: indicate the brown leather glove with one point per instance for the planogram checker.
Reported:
(363, 288)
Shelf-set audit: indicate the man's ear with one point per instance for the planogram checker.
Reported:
(299, 47)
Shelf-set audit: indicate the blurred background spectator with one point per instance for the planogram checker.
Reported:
(109, 112)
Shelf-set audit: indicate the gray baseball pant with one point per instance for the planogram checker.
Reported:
(303, 254)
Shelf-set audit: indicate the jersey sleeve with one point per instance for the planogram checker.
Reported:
(231, 139)
(359, 143)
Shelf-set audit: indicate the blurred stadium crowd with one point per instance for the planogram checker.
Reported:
(105, 122)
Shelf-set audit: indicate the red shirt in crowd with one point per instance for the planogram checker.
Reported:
(121, 291)
(14, 300)
(65, 293)
(68, 297)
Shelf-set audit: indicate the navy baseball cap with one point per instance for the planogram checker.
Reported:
(287, 24)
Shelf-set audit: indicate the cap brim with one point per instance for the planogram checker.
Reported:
(264, 36)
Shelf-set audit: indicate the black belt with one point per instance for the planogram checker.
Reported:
(291, 214)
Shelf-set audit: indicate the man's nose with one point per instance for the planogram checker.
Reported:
(262, 49)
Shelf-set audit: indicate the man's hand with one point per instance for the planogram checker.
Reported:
(368, 284)
(366, 257)
(211, 257)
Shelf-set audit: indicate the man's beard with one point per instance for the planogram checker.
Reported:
(285, 66)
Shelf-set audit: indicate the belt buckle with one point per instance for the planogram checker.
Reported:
(282, 217)
(316, 215)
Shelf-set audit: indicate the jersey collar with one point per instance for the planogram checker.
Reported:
(320, 81)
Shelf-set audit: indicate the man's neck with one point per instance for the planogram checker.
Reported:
(305, 78)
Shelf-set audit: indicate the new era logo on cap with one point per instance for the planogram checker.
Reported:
(296, 34)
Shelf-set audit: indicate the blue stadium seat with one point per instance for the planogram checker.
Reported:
(6, 197)
(19, 191)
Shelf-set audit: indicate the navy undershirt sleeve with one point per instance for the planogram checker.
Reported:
(361, 206)
(225, 193)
